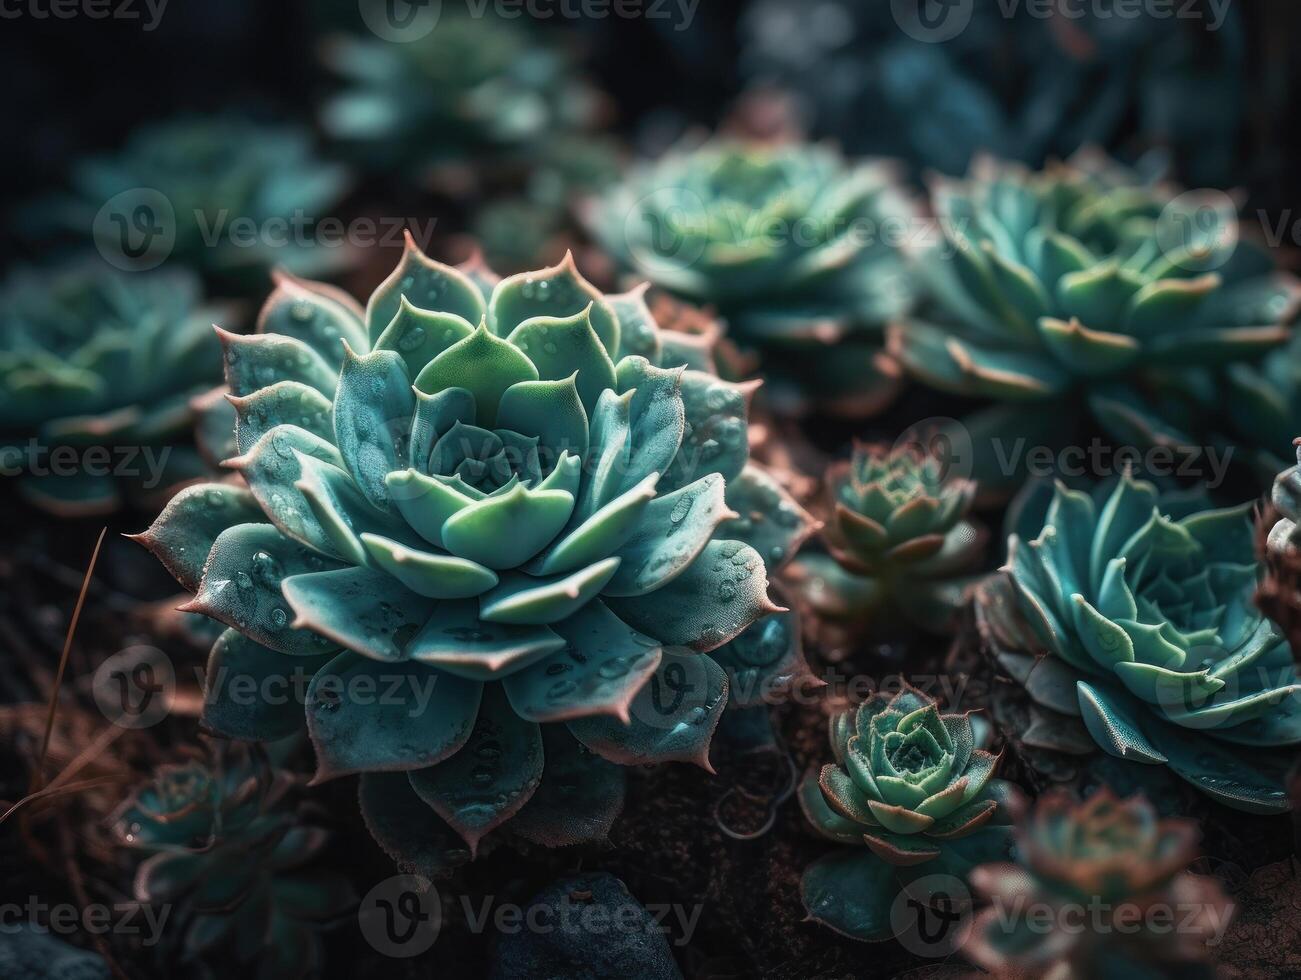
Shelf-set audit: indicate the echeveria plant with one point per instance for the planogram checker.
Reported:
(1080, 282)
(100, 366)
(219, 844)
(492, 498)
(226, 195)
(796, 250)
(899, 538)
(1153, 640)
(912, 795)
(1113, 861)
(472, 88)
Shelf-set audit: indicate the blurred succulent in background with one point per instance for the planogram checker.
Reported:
(514, 231)
(1082, 283)
(1014, 83)
(899, 538)
(474, 90)
(101, 366)
(794, 249)
(1095, 893)
(1147, 634)
(225, 195)
(219, 842)
(490, 493)
(1279, 594)
(911, 792)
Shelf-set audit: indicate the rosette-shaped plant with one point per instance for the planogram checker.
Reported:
(486, 499)
(220, 845)
(473, 88)
(1081, 281)
(899, 537)
(793, 248)
(226, 195)
(913, 795)
(1280, 588)
(97, 369)
(1154, 642)
(1079, 901)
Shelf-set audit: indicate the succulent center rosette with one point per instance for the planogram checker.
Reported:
(898, 534)
(487, 496)
(1155, 641)
(219, 843)
(1097, 867)
(101, 366)
(797, 252)
(911, 784)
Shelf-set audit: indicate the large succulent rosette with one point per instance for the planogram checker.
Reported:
(487, 500)
(899, 537)
(912, 794)
(1152, 641)
(1088, 874)
(797, 251)
(1081, 283)
(222, 851)
(100, 366)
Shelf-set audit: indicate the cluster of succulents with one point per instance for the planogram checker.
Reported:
(1093, 886)
(798, 251)
(101, 366)
(911, 793)
(512, 496)
(1077, 80)
(1142, 629)
(1081, 283)
(472, 87)
(899, 537)
(219, 844)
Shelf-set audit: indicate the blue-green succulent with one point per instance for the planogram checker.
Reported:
(507, 502)
(226, 195)
(472, 90)
(221, 845)
(899, 538)
(1076, 902)
(911, 794)
(99, 366)
(1151, 638)
(1081, 283)
(797, 251)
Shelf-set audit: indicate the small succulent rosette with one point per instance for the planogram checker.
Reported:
(1136, 633)
(1279, 594)
(911, 794)
(226, 195)
(900, 540)
(796, 250)
(508, 505)
(221, 846)
(97, 370)
(1100, 889)
(1081, 283)
(472, 90)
